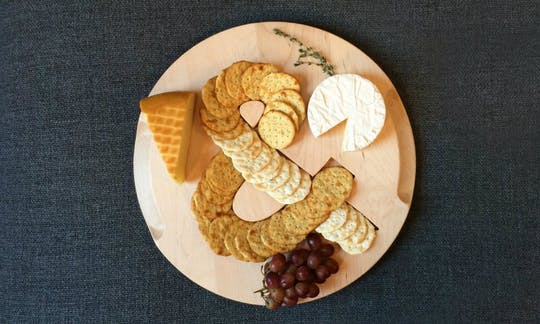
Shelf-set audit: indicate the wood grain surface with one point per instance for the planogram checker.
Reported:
(384, 171)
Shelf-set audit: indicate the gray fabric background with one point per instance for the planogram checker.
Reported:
(73, 243)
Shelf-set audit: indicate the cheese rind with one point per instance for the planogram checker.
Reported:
(347, 97)
(169, 116)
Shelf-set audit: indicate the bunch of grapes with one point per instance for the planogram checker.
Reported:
(295, 274)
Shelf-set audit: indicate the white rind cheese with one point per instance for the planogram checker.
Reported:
(347, 97)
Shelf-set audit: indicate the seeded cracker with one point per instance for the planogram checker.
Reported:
(294, 99)
(284, 108)
(216, 234)
(211, 196)
(255, 242)
(275, 82)
(299, 223)
(278, 235)
(219, 125)
(222, 176)
(222, 94)
(332, 186)
(232, 134)
(268, 241)
(230, 242)
(242, 243)
(253, 76)
(208, 94)
(204, 208)
(276, 129)
(233, 80)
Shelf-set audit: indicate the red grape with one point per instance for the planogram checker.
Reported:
(299, 256)
(277, 263)
(271, 280)
(291, 268)
(291, 292)
(304, 274)
(302, 289)
(313, 260)
(314, 241)
(286, 280)
(290, 301)
(271, 304)
(313, 290)
(277, 294)
(326, 250)
(332, 265)
(322, 271)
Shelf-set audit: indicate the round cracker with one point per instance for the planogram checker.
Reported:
(223, 95)
(216, 234)
(212, 196)
(259, 162)
(219, 125)
(230, 243)
(346, 230)
(365, 244)
(299, 194)
(292, 184)
(275, 82)
(233, 80)
(253, 75)
(255, 242)
(332, 186)
(299, 223)
(276, 129)
(250, 152)
(242, 244)
(234, 133)
(222, 176)
(269, 242)
(278, 180)
(271, 170)
(278, 235)
(284, 108)
(203, 208)
(294, 99)
(335, 220)
(359, 235)
(238, 143)
(208, 94)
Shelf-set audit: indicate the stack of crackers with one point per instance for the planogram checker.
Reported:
(257, 160)
(349, 228)
(226, 234)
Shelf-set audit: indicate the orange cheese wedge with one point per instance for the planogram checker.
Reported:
(169, 116)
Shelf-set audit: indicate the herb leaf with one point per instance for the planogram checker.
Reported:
(307, 52)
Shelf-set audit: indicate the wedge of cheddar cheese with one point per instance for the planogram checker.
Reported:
(169, 116)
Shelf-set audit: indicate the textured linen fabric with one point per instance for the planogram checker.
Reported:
(73, 243)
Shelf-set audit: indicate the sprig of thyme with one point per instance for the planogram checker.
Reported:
(307, 55)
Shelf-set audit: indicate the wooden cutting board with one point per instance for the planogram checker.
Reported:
(384, 171)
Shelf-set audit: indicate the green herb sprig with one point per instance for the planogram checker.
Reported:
(307, 55)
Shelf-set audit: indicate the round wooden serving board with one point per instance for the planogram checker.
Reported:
(384, 171)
